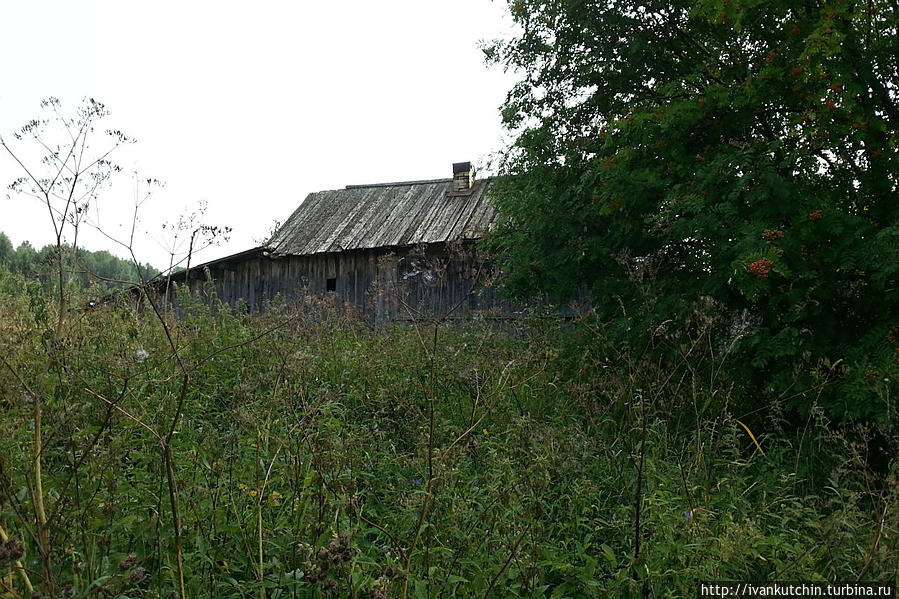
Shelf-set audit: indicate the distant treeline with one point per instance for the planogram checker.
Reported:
(85, 266)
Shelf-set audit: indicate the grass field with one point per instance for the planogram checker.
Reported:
(301, 453)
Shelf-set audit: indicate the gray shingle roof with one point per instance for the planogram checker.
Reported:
(384, 215)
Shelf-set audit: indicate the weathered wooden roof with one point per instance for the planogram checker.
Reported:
(384, 215)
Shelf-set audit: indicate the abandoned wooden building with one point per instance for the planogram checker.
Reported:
(389, 250)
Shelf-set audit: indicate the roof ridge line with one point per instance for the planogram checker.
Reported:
(398, 183)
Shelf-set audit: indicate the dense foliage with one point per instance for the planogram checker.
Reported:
(85, 266)
(727, 227)
(314, 456)
(670, 154)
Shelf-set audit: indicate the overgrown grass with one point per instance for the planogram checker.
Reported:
(315, 456)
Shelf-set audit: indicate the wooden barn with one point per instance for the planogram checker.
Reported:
(388, 250)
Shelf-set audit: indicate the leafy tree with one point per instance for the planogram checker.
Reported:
(6, 249)
(672, 154)
(25, 260)
(89, 267)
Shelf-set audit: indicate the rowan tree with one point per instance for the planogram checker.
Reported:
(671, 154)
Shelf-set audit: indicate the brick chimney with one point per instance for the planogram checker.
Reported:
(462, 176)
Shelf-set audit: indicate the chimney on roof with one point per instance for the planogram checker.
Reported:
(462, 176)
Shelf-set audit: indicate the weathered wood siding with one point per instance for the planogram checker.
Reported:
(421, 281)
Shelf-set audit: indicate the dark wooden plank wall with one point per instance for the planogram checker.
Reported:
(421, 281)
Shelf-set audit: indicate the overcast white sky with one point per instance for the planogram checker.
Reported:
(251, 106)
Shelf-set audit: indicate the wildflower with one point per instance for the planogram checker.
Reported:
(760, 268)
(614, 517)
(416, 481)
(688, 515)
(141, 355)
(485, 432)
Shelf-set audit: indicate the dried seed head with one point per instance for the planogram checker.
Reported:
(128, 563)
(339, 549)
(322, 555)
(313, 574)
(11, 550)
(138, 575)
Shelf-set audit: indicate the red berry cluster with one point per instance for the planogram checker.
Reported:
(816, 215)
(893, 338)
(760, 268)
(772, 234)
